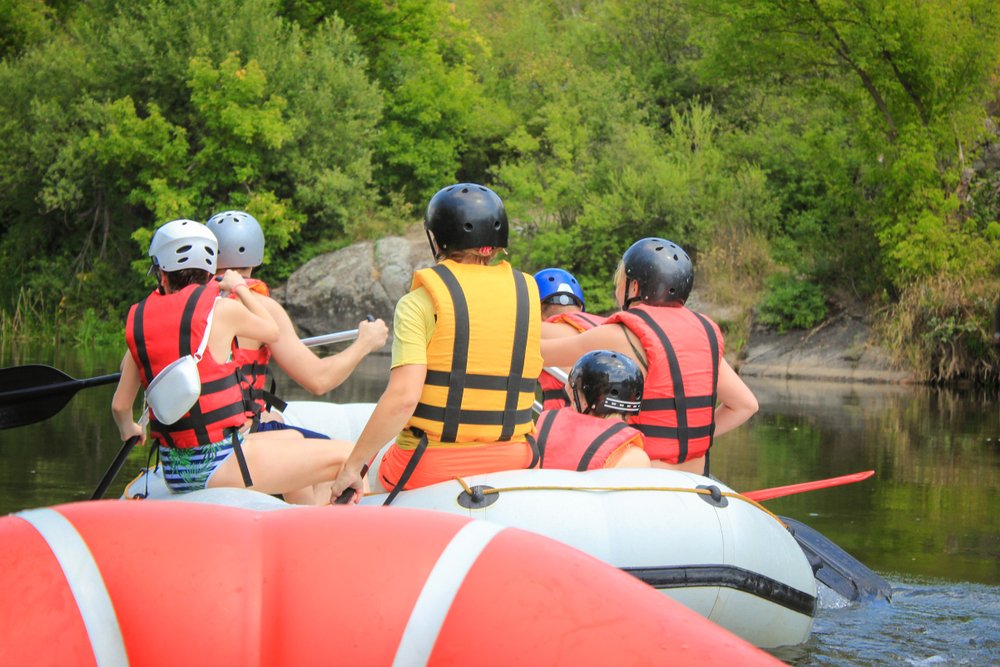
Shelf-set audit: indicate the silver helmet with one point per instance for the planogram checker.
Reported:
(241, 240)
(184, 244)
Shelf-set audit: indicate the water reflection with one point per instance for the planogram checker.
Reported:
(930, 510)
(927, 520)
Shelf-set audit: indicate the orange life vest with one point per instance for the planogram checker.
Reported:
(553, 390)
(165, 327)
(568, 440)
(683, 350)
(255, 373)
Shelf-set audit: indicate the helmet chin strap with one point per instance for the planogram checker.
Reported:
(435, 251)
(576, 403)
(629, 300)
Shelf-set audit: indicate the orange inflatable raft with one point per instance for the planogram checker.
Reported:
(112, 583)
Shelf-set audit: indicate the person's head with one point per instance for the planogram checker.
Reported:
(466, 222)
(241, 240)
(655, 272)
(559, 292)
(183, 252)
(603, 382)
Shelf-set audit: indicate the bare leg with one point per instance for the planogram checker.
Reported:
(303, 496)
(282, 465)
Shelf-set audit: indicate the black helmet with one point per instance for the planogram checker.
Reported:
(466, 215)
(663, 271)
(610, 382)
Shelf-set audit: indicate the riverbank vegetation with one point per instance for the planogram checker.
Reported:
(812, 155)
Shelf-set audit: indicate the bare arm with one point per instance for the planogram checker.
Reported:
(393, 410)
(124, 399)
(737, 402)
(320, 375)
(565, 351)
(245, 317)
(261, 326)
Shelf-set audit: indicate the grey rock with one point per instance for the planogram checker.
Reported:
(335, 291)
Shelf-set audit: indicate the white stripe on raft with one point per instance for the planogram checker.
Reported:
(85, 582)
(443, 583)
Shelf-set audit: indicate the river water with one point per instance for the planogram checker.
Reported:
(927, 522)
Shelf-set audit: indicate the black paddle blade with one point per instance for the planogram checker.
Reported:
(35, 392)
(30, 411)
(29, 376)
(836, 568)
(18, 408)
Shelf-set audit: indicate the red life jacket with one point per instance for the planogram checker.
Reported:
(163, 328)
(554, 391)
(568, 440)
(255, 373)
(683, 349)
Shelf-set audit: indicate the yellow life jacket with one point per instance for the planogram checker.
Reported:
(484, 356)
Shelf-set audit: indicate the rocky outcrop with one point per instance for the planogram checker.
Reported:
(335, 291)
(839, 349)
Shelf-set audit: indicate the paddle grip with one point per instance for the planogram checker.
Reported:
(349, 492)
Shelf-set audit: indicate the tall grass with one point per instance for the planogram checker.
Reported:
(34, 319)
(730, 276)
(941, 328)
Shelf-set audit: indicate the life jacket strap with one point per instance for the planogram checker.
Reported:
(411, 465)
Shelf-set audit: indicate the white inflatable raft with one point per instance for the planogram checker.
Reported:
(693, 538)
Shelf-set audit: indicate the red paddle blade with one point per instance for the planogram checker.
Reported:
(780, 491)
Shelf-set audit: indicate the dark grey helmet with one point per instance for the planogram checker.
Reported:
(466, 215)
(662, 270)
(241, 240)
(609, 382)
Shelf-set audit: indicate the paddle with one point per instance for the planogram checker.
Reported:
(831, 565)
(836, 568)
(761, 495)
(119, 461)
(35, 392)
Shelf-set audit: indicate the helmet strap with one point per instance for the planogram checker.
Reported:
(435, 251)
(629, 300)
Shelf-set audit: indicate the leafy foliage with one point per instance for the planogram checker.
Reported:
(851, 144)
(791, 303)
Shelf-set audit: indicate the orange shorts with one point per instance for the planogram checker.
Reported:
(443, 463)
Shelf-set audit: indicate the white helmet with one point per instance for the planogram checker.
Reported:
(184, 244)
(241, 240)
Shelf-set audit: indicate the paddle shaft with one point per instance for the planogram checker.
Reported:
(761, 495)
(70, 386)
(115, 466)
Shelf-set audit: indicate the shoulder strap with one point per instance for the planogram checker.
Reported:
(208, 329)
(639, 354)
(596, 444)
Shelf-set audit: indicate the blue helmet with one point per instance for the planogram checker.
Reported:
(560, 287)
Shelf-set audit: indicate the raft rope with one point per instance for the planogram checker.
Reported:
(714, 491)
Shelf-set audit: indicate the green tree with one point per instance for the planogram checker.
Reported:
(139, 113)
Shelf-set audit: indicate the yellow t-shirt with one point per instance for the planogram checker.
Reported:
(412, 326)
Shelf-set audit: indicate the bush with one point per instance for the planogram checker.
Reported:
(791, 303)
